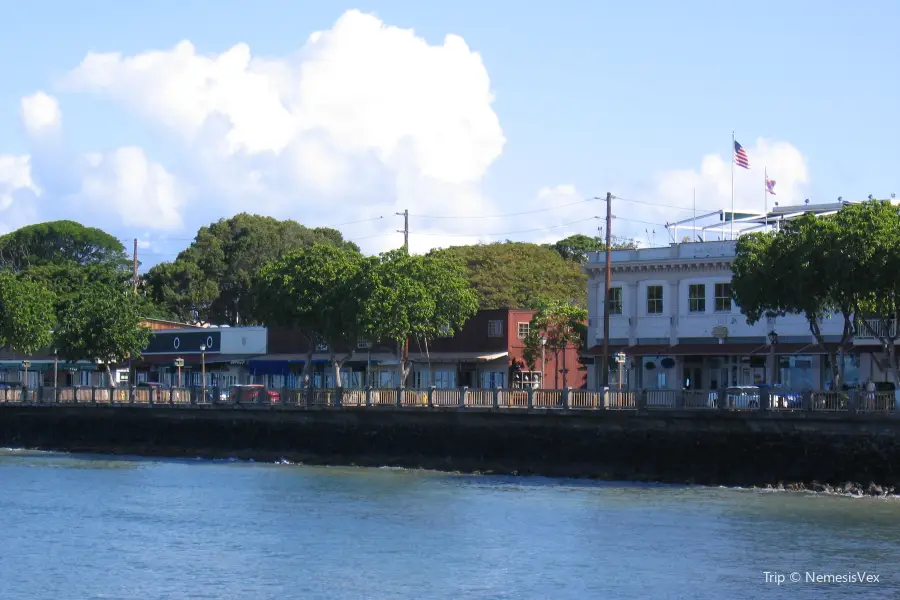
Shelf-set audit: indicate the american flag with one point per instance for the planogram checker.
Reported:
(740, 157)
(770, 185)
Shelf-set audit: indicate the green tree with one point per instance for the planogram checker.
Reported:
(226, 257)
(797, 270)
(182, 288)
(319, 291)
(575, 247)
(869, 235)
(519, 275)
(60, 243)
(408, 296)
(102, 323)
(554, 327)
(27, 314)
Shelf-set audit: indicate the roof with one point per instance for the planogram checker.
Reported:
(712, 349)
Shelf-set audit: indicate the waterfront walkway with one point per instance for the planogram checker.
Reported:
(462, 398)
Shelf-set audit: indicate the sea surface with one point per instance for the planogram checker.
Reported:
(79, 527)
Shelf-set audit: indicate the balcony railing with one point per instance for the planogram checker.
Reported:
(875, 329)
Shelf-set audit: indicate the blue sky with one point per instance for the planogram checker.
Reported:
(633, 98)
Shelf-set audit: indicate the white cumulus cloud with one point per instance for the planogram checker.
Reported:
(126, 184)
(40, 113)
(364, 118)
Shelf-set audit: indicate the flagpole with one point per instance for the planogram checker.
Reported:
(766, 195)
(732, 184)
(694, 226)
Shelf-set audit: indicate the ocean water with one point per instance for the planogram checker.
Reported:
(91, 527)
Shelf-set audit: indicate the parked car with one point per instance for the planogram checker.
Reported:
(742, 397)
(250, 394)
(783, 398)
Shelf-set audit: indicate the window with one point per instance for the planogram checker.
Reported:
(615, 301)
(321, 347)
(492, 379)
(362, 342)
(523, 330)
(654, 299)
(495, 328)
(445, 379)
(420, 380)
(697, 298)
(723, 297)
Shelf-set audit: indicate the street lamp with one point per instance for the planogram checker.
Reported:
(543, 359)
(55, 373)
(203, 369)
(564, 371)
(25, 365)
(620, 360)
(773, 341)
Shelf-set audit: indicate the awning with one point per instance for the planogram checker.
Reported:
(458, 357)
(192, 360)
(725, 349)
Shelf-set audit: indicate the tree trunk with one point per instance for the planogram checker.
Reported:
(307, 368)
(338, 364)
(109, 376)
(832, 355)
(403, 364)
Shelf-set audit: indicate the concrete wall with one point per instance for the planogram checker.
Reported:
(733, 448)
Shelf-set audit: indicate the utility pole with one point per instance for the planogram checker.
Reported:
(405, 230)
(606, 303)
(134, 277)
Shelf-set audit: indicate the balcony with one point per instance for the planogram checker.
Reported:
(876, 330)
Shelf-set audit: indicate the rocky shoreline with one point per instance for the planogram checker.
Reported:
(468, 467)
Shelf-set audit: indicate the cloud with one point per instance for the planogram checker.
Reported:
(364, 117)
(18, 191)
(671, 197)
(126, 184)
(40, 113)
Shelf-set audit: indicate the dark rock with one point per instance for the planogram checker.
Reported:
(848, 488)
(780, 486)
(816, 486)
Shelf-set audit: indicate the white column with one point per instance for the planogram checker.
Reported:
(631, 309)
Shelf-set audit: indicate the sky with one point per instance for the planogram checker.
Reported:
(486, 121)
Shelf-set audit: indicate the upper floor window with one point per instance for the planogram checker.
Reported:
(723, 297)
(697, 298)
(615, 301)
(495, 328)
(362, 342)
(654, 299)
(523, 329)
(321, 347)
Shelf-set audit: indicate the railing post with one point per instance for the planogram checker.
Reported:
(530, 398)
(497, 397)
(721, 399)
(399, 396)
(807, 401)
(463, 392)
(565, 397)
(93, 395)
(339, 398)
(853, 402)
(765, 400)
(368, 396)
(431, 397)
(640, 400)
(307, 396)
(679, 400)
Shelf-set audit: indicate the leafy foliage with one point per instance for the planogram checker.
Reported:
(27, 314)
(318, 290)
(555, 326)
(575, 247)
(214, 279)
(410, 296)
(102, 323)
(60, 243)
(519, 275)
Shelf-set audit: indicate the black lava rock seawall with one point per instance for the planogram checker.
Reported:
(693, 447)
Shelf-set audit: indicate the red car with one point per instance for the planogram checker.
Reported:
(250, 394)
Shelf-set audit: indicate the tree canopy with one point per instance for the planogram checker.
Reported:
(27, 314)
(410, 296)
(214, 279)
(102, 323)
(320, 291)
(60, 243)
(518, 274)
(575, 247)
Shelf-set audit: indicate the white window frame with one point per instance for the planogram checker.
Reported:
(661, 299)
(523, 328)
(701, 299)
(616, 300)
(726, 299)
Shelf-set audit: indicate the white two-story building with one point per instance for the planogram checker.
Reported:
(673, 317)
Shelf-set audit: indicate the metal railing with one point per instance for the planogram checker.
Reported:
(875, 329)
(641, 401)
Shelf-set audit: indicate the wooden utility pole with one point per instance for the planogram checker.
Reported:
(405, 230)
(606, 303)
(134, 276)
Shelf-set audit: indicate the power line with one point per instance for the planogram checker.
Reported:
(515, 214)
(478, 234)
